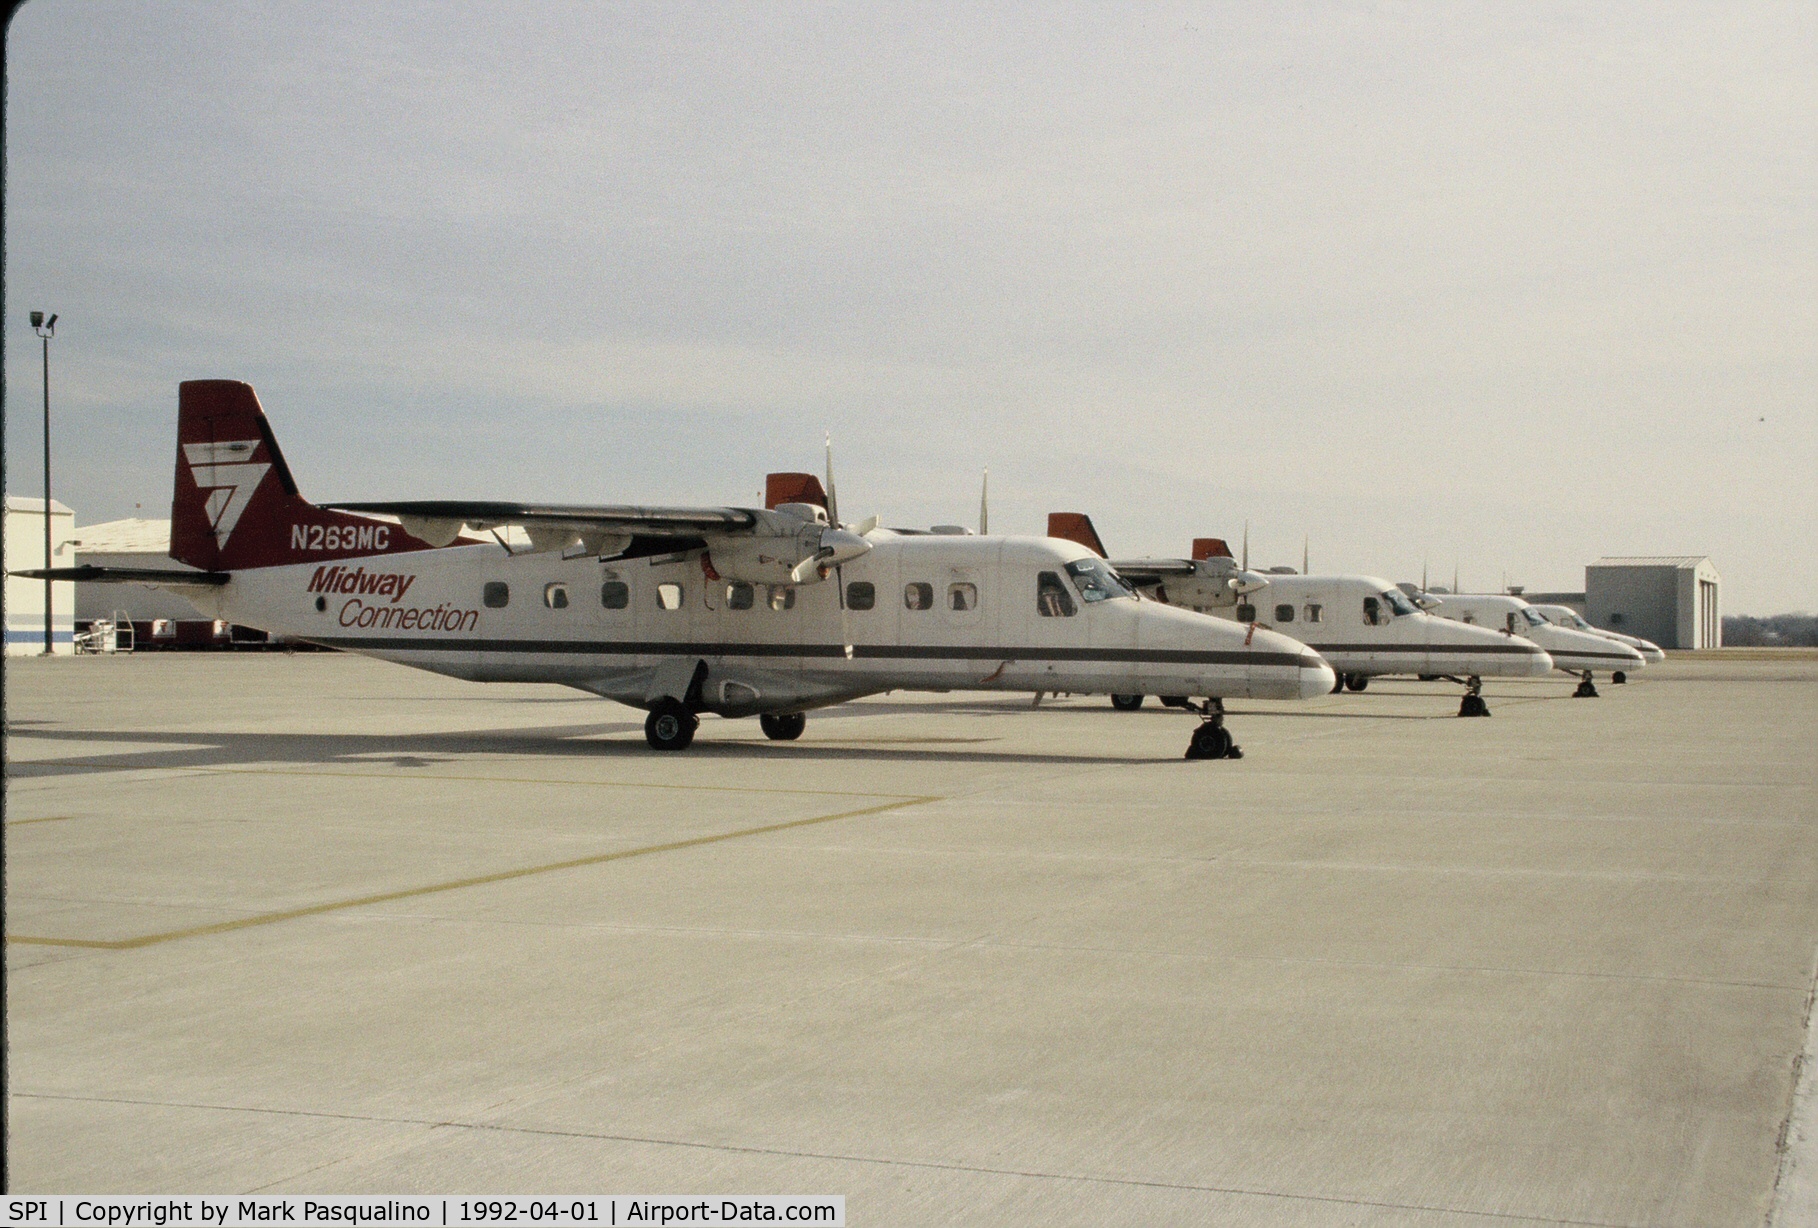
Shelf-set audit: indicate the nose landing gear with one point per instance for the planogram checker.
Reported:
(1586, 689)
(1472, 704)
(1212, 740)
(783, 727)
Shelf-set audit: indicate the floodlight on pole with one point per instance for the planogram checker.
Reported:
(45, 330)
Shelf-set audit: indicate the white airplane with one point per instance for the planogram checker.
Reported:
(1566, 616)
(1363, 626)
(1573, 652)
(680, 611)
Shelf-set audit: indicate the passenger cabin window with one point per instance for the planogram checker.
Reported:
(1284, 613)
(496, 595)
(669, 596)
(861, 595)
(1373, 613)
(615, 594)
(1246, 613)
(1314, 612)
(782, 597)
(1052, 600)
(962, 596)
(918, 596)
(555, 596)
(739, 596)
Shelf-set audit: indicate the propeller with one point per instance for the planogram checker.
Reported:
(833, 502)
(1303, 554)
(837, 546)
(984, 492)
(1245, 565)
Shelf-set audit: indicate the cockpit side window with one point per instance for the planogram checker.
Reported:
(1097, 582)
(1052, 600)
(1372, 612)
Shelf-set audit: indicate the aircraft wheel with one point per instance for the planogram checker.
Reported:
(1338, 684)
(670, 726)
(1356, 682)
(1126, 703)
(1586, 689)
(1428, 677)
(1212, 742)
(784, 727)
(1473, 705)
(1175, 701)
(1619, 677)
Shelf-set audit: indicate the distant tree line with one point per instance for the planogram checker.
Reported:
(1780, 631)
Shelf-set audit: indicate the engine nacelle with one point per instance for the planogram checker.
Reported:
(806, 556)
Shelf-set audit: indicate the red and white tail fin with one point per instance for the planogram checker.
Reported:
(1210, 548)
(1076, 527)
(236, 505)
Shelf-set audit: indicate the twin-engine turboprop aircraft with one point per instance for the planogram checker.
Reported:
(765, 612)
(1363, 626)
(1565, 616)
(1574, 652)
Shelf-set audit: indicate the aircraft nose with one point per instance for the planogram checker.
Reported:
(1540, 664)
(1316, 677)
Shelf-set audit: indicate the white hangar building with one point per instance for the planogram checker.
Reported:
(25, 598)
(1670, 599)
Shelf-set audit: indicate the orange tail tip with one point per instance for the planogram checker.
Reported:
(1076, 527)
(1210, 548)
(235, 503)
(793, 488)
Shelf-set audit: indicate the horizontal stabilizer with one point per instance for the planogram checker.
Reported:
(89, 574)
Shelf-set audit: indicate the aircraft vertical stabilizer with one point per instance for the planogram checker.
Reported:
(1076, 527)
(235, 504)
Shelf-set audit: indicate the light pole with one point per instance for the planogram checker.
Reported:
(46, 329)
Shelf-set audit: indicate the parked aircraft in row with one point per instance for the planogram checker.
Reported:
(766, 612)
(1365, 627)
(1565, 616)
(1573, 651)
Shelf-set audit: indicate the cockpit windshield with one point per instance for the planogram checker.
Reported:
(1096, 581)
(1533, 616)
(1398, 601)
(1572, 620)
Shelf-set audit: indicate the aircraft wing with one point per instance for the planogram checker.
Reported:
(1142, 569)
(168, 576)
(550, 525)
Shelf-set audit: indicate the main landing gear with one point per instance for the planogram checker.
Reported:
(1126, 703)
(1586, 689)
(1212, 740)
(1472, 704)
(1356, 682)
(670, 725)
(1618, 678)
(783, 727)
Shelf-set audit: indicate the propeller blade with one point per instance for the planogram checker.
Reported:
(984, 493)
(1246, 563)
(833, 502)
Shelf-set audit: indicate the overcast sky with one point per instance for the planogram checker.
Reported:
(1500, 287)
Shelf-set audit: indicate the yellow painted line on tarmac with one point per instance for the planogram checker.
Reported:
(479, 880)
(60, 818)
